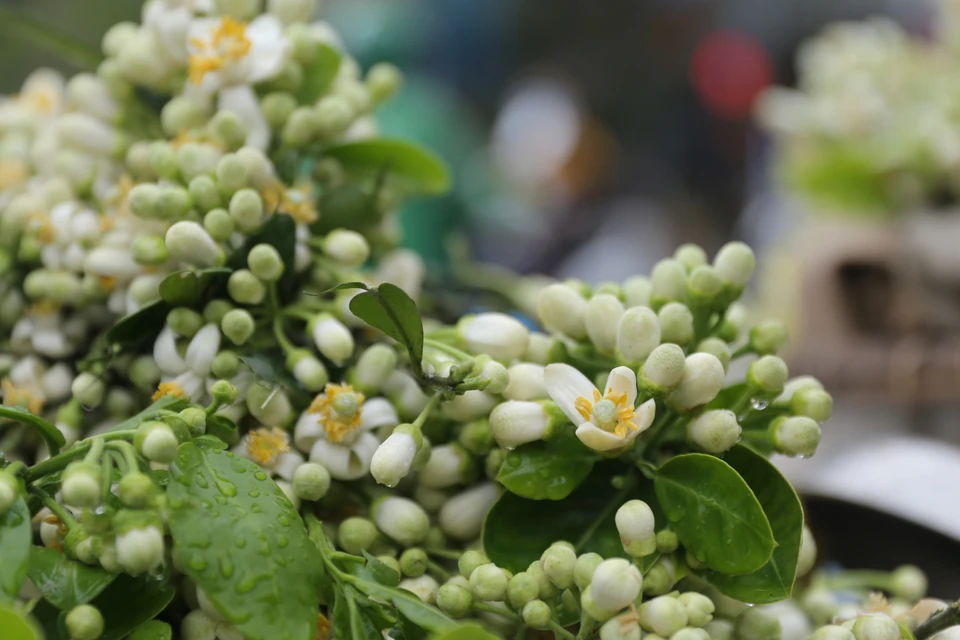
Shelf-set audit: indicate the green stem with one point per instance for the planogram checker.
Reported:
(742, 402)
(446, 554)
(170, 402)
(489, 608)
(282, 339)
(943, 619)
(586, 626)
(299, 314)
(430, 406)
(614, 504)
(128, 452)
(67, 47)
(56, 508)
(96, 450)
(657, 431)
(446, 348)
(438, 570)
(106, 477)
(560, 631)
(77, 451)
(744, 350)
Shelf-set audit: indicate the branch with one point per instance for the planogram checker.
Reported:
(943, 619)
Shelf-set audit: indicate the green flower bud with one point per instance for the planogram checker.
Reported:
(698, 606)
(223, 392)
(200, 161)
(714, 431)
(308, 370)
(767, 375)
(704, 285)
(718, 348)
(756, 624)
(448, 465)
(374, 367)
(637, 291)
(454, 600)
(190, 243)
(246, 209)
(225, 365)
(908, 582)
(245, 288)
(638, 333)
(205, 194)
(622, 627)
(277, 108)
(734, 264)
(81, 484)
(144, 373)
(138, 160)
(229, 129)
(702, 380)
(689, 633)
(219, 224)
(333, 115)
(719, 629)
(812, 403)
(602, 321)
(382, 81)
(615, 584)
(9, 491)
(470, 560)
(289, 79)
(558, 563)
(413, 562)
(583, 570)
(238, 325)
(875, 627)
(356, 535)
(311, 481)
(661, 577)
(676, 323)
(663, 369)
(88, 389)
(690, 256)
(635, 524)
(215, 310)
(301, 127)
(196, 418)
(265, 262)
(349, 248)
(562, 309)
(595, 611)
(663, 615)
(477, 437)
(197, 625)
(269, 405)
(768, 337)
(668, 282)
(332, 337)
(84, 622)
(143, 200)
(136, 490)
(808, 552)
(184, 322)
(149, 250)
(832, 632)
(401, 519)
(156, 442)
(521, 589)
(796, 436)
(182, 113)
(488, 582)
(163, 160)
(537, 614)
(232, 174)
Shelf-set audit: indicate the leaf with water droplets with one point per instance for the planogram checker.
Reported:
(130, 601)
(239, 538)
(547, 470)
(15, 536)
(64, 582)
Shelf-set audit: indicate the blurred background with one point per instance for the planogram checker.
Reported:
(588, 139)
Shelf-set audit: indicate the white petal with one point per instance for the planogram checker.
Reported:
(600, 440)
(286, 463)
(565, 384)
(166, 355)
(113, 262)
(378, 412)
(242, 102)
(56, 381)
(307, 431)
(203, 349)
(51, 343)
(201, 30)
(345, 463)
(264, 29)
(643, 417)
(192, 385)
(267, 60)
(622, 380)
(27, 372)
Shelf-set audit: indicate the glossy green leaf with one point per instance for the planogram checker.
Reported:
(714, 513)
(271, 372)
(188, 288)
(48, 617)
(347, 206)
(381, 573)
(547, 470)
(141, 326)
(728, 396)
(238, 538)
(15, 537)
(18, 626)
(466, 632)
(164, 403)
(318, 74)
(342, 287)
(64, 582)
(390, 309)
(279, 231)
(774, 580)
(50, 434)
(131, 601)
(412, 168)
(517, 530)
(411, 606)
(223, 428)
(152, 630)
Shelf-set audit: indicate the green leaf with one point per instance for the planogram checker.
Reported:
(774, 580)
(271, 372)
(361, 627)
(410, 606)
(223, 428)
(714, 513)
(18, 626)
(466, 632)
(188, 288)
(50, 434)
(728, 396)
(547, 470)
(517, 530)
(64, 582)
(413, 168)
(381, 573)
(319, 74)
(342, 287)
(207, 441)
(131, 601)
(390, 309)
(152, 630)
(238, 538)
(47, 616)
(140, 326)
(279, 231)
(15, 537)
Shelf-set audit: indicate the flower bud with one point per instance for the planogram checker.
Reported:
(88, 389)
(491, 373)
(9, 492)
(382, 81)
(719, 629)
(144, 200)
(635, 524)
(470, 560)
(637, 291)
(663, 615)
(245, 288)
(663, 369)
(469, 406)
(558, 563)
(539, 349)
(595, 611)
(454, 600)
(228, 129)
(225, 365)
(140, 549)
(699, 608)
(265, 262)
(332, 338)
(718, 348)
(638, 333)
(734, 264)
(701, 382)
(348, 248)
(413, 562)
(676, 323)
(190, 243)
(156, 442)
(796, 436)
(583, 570)
(668, 282)
(81, 484)
(537, 614)
(334, 114)
(526, 382)
(562, 309)
(808, 552)
(307, 369)
(311, 481)
(488, 582)
(238, 326)
(184, 322)
(514, 423)
(477, 437)
(392, 460)
(246, 210)
(812, 403)
(616, 583)
(495, 334)
(269, 406)
(401, 519)
(136, 490)
(277, 108)
(908, 582)
(232, 174)
(703, 286)
(374, 367)
(714, 431)
(462, 516)
(689, 633)
(767, 375)
(197, 625)
(690, 256)
(448, 465)
(832, 632)
(84, 622)
(355, 535)
(521, 589)
(875, 627)
(768, 337)
(200, 161)
(602, 321)
(174, 203)
(754, 623)
(144, 373)
(149, 250)
(660, 578)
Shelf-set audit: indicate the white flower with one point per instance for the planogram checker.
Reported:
(40, 98)
(605, 422)
(270, 448)
(170, 20)
(224, 52)
(190, 374)
(30, 384)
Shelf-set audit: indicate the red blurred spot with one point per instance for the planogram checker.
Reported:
(728, 70)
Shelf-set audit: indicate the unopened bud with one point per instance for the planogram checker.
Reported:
(795, 436)
(703, 285)
(714, 431)
(81, 484)
(756, 624)
(237, 325)
(616, 584)
(661, 577)
(393, 459)
(521, 589)
(767, 376)
(676, 323)
(908, 582)
(663, 369)
(245, 288)
(332, 338)
(812, 403)
(622, 627)
(149, 250)
(84, 622)
(734, 263)
(88, 389)
(718, 348)
(768, 337)
(156, 442)
(401, 519)
(808, 553)
(349, 248)
(690, 256)
(638, 334)
(602, 321)
(699, 608)
(308, 370)
(537, 614)
(223, 392)
(495, 334)
(514, 423)
(488, 582)
(832, 632)
(269, 405)
(382, 81)
(635, 524)
(190, 243)
(470, 406)
(637, 291)
(454, 600)
(265, 262)
(562, 309)
(246, 210)
(668, 282)
(663, 615)
(700, 383)
(355, 535)
(558, 563)
(875, 627)
(9, 492)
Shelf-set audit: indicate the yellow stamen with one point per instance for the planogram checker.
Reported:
(228, 43)
(625, 412)
(264, 445)
(12, 173)
(39, 100)
(298, 203)
(61, 532)
(335, 425)
(44, 229)
(106, 223)
(876, 603)
(169, 389)
(44, 306)
(107, 283)
(20, 397)
(323, 627)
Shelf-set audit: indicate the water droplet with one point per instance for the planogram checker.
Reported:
(229, 454)
(509, 448)
(226, 568)
(220, 500)
(227, 488)
(284, 521)
(260, 475)
(280, 560)
(175, 503)
(758, 404)
(197, 563)
(239, 542)
(201, 481)
(282, 542)
(513, 462)
(246, 585)
(253, 493)
(216, 452)
(255, 508)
